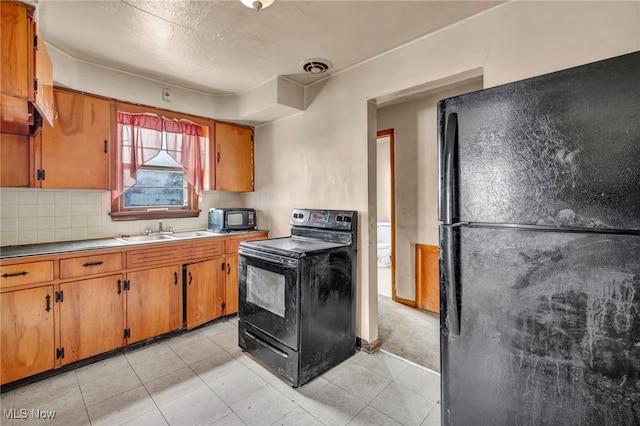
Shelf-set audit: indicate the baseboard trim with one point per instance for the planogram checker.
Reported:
(408, 302)
(367, 347)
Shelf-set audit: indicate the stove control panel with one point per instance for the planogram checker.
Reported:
(326, 219)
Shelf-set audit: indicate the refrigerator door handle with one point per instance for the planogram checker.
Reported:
(450, 184)
(450, 286)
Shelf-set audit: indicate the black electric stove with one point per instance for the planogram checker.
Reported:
(297, 295)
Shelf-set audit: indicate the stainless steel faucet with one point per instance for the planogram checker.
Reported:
(159, 226)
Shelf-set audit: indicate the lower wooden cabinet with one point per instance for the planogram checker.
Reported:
(27, 333)
(231, 285)
(91, 317)
(204, 283)
(62, 308)
(154, 302)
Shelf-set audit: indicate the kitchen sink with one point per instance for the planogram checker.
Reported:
(192, 234)
(137, 239)
(152, 238)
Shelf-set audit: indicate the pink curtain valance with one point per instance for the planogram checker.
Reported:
(146, 121)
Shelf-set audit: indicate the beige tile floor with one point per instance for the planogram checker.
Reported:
(203, 378)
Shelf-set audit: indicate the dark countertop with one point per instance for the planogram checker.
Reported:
(10, 252)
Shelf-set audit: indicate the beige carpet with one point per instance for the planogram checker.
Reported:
(409, 333)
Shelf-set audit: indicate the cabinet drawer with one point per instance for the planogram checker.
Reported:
(168, 253)
(90, 265)
(26, 273)
(203, 248)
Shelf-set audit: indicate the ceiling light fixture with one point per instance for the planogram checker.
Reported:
(257, 4)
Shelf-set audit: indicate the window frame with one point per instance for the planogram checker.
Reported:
(121, 213)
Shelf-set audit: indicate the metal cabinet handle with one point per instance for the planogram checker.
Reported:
(48, 307)
(218, 156)
(175, 278)
(190, 278)
(119, 286)
(228, 269)
(98, 263)
(106, 146)
(17, 274)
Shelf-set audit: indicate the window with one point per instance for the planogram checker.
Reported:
(160, 167)
(160, 182)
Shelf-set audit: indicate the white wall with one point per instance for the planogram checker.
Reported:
(325, 157)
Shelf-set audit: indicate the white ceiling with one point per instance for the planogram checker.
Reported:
(223, 47)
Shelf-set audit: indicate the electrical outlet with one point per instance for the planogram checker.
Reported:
(166, 94)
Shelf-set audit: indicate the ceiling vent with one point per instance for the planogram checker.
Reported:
(316, 66)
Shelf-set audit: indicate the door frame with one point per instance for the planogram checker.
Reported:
(390, 133)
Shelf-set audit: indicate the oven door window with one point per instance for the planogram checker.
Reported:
(266, 289)
(268, 297)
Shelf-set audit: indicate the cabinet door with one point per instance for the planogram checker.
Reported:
(233, 158)
(205, 291)
(43, 93)
(27, 333)
(231, 286)
(91, 317)
(15, 50)
(153, 302)
(75, 151)
(15, 115)
(15, 160)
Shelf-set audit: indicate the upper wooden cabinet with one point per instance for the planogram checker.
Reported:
(43, 81)
(15, 65)
(26, 71)
(75, 151)
(232, 158)
(15, 160)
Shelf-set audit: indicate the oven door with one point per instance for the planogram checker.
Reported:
(269, 294)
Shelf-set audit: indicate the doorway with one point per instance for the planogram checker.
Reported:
(404, 330)
(402, 327)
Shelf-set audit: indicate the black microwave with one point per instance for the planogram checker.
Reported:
(232, 219)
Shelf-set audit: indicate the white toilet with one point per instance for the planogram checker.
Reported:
(384, 244)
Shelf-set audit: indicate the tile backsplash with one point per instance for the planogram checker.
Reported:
(29, 216)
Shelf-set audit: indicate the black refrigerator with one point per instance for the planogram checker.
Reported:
(540, 249)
